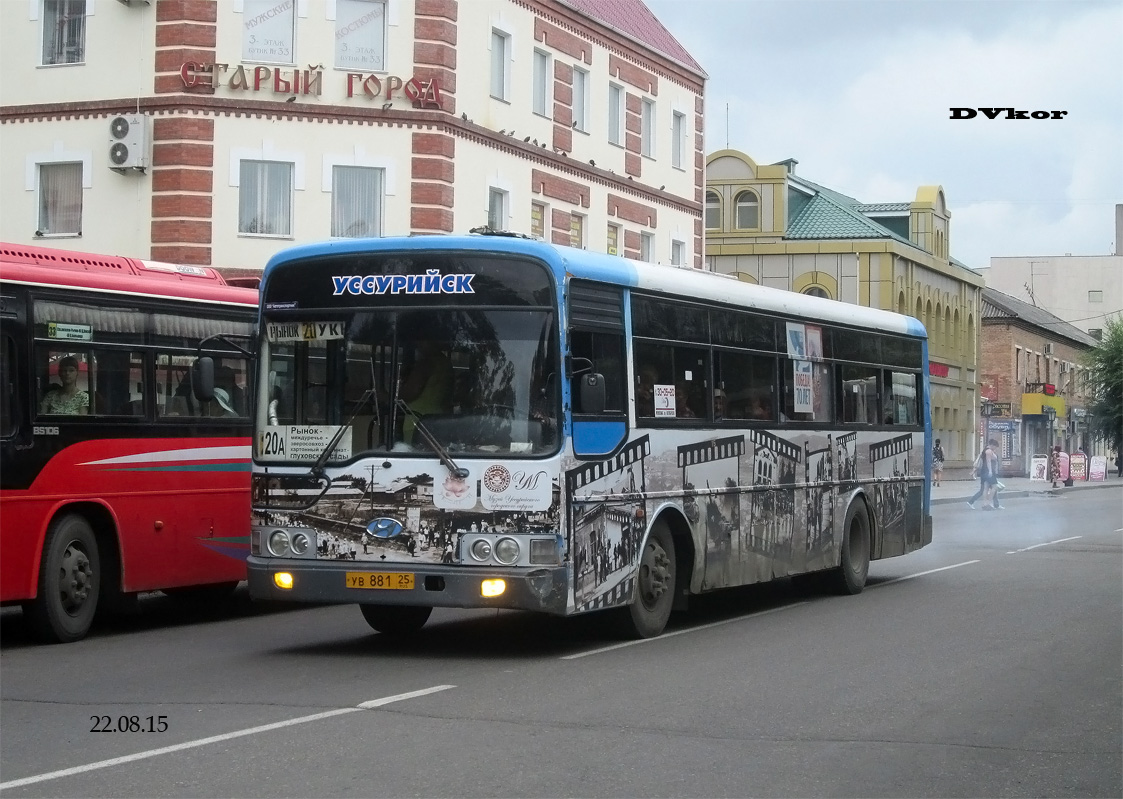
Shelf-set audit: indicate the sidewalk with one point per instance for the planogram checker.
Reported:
(962, 490)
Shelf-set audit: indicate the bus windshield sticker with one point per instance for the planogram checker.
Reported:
(665, 400)
(301, 443)
(814, 342)
(70, 332)
(797, 341)
(804, 388)
(305, 331)
(432, 282)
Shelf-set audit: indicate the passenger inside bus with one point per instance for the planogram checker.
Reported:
(427, 385)
(66, 398)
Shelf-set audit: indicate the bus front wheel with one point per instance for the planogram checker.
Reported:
(854, 565)
(395, 619)
(655, 584)
(69, 583)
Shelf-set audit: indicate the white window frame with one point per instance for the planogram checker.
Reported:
(678, 252)
(498, 208)
(540, 83)
(619, 239)
(44, 230)
(500, 60)
(39, 11)
(284, 234)
(580, 100)
(678, 139)
(273, 26)
(379, 175)
(347, 36)
(708, 207)
(647, 128)
(647, 247)
(617, 101)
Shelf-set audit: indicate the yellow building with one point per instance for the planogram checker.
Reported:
(766, 225)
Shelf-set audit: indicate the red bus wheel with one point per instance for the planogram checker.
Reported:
(69, 583)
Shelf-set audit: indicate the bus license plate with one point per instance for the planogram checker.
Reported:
(382, 580)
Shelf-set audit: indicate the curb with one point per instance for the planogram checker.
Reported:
(1017, 494)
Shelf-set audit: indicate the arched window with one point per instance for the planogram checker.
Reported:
(955, 330)
(748, 211)
(949, 331)
(901, 308)
(713, 211)
(817, 291)
(938, 324)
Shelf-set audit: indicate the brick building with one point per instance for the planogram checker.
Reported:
(209, 132)
(1031, 376)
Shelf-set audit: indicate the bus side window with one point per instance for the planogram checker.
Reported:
(7, 386)
(606, 352)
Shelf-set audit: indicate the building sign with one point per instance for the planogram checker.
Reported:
(360, 35)
(421, 92)
(268, 30)
(1048, 389)
(937, 369)
(1001, 410)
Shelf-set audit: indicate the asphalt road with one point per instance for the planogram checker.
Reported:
(988, 664)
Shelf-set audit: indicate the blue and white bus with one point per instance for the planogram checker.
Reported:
(488, 421)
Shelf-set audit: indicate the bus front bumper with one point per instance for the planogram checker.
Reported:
(434, 585)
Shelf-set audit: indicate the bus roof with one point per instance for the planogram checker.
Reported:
(22, 263)
(690, 284)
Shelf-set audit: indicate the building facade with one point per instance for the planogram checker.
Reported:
(216, 133)
(1083, 290)
(766, 225)
(1032, 382)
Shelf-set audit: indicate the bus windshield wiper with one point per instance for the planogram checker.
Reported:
(459, 472)
(317, 469)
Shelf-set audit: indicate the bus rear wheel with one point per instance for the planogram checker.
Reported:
(655, 584)
(854, 565)
(396, 619)
(69, 583)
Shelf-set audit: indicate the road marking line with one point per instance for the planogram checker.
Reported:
(116, 761)
(665, 636)
(921, 574)
(1047, 543)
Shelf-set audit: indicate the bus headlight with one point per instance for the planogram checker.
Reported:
(299, 543)
(481, 549)
(543, 551)
(278, 543)
(507, 551)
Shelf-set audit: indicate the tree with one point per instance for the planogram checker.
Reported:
(1105, 385)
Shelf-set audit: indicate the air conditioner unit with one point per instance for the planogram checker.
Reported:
(128, 142)
(1048, 349)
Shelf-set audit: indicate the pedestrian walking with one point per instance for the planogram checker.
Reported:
(1055, 465)
(986, 468)
(937, 463)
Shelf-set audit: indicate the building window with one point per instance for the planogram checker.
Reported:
(748, 211)
(1097, 333)
(817, 291)
(576, 230)
(678, 139)
(541, 82)
(497, 209)
(60, 200)
(713, 211)
(64, 31)
(356, 202)
(580, 99)
(268, 31)
(647, 247)
(360, 35)
(500, 64)
(615, 114)
(265, 198)
(647, 128)
(613, 239)
(538, 220)
(678, 253)
(1095, 296)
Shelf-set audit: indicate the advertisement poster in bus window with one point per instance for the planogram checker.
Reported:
(664, 401)
(814, 342)
(803, 385)
(797, 341)
(608, 525)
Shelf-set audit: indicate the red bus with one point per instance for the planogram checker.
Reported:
(114, 479)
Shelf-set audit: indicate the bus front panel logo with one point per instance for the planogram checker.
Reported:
(385, 528)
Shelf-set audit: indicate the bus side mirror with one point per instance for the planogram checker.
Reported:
(592, 393)
(202, 378)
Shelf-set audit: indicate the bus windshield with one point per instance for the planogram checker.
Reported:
(478, 380)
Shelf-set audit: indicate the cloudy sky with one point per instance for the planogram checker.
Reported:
(859, 92)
